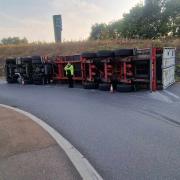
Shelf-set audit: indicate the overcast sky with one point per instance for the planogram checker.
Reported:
(33, 18)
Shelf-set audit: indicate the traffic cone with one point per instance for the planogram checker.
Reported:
(111, 89)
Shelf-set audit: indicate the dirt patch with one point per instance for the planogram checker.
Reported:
(19, 134)
(28, 152)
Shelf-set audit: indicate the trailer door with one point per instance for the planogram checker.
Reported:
(168, 67)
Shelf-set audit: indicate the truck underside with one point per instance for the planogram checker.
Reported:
(123, 70)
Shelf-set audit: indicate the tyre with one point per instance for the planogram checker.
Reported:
(104, 87)
(39, 81)
(124, 52)
(88, 55)
(26, 60)
(27, 81)
(10, 81)
(36, 57)
(36, 60)
(90, 85)
(11, 61)
(124, 88)
(76, 57)
(105, 54)
(36, 82)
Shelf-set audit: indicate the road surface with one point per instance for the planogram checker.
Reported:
(124, 136)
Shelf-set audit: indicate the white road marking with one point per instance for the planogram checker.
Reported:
(160, 97)
(172, 94)
(85, 169)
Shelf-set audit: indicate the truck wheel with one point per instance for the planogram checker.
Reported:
(11, 61)
(124, 52)
(36, 61)
(105, 54)
(88, 55)
(104, 87)
(35, 82)
(10, 81)
(36, 57)
(124, 88)
(27, 82)
(26, 60)
(90, 85)
(38, 82)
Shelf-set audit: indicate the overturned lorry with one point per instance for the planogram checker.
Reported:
(123, 69)
(29, 70)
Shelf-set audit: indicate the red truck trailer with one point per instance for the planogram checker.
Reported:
(124, 70)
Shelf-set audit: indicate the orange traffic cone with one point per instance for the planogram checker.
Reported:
(111, 89)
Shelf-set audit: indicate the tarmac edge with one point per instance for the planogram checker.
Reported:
(82, 165)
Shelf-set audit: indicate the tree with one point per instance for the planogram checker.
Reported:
(115, 29)
(99, 32)
(157, 18)
(153, 19)
(14, 40)
(132, 22)
(172, 13)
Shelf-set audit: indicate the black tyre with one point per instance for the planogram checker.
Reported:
(104, 87)
(105, 54)
(11, 61)
(26, 60)
(26, 81)
(124, 52)
(76, 57)
(36, 60)
(38, 82)
(36, 57)
(124, 88)
(88, 55)
(10, 81)
(90, 85)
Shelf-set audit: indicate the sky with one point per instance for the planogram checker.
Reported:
(33, 18)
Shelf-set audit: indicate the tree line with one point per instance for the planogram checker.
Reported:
(13, 41)
(156, 18)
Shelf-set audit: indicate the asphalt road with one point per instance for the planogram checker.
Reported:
(124, 136)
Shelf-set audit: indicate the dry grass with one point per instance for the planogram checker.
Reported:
(70, 48)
